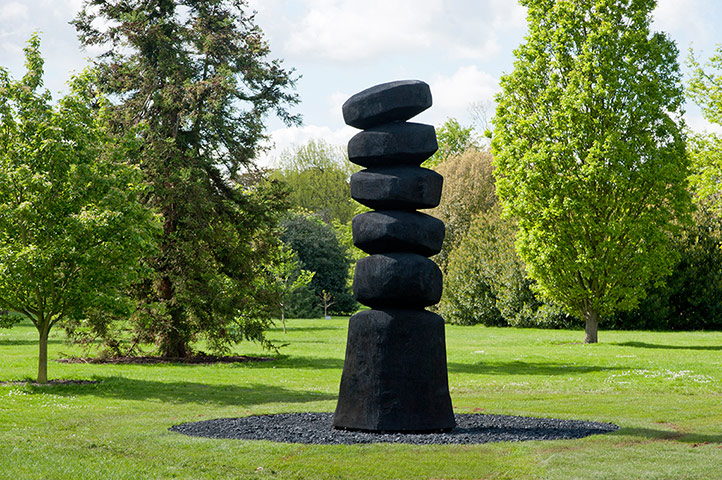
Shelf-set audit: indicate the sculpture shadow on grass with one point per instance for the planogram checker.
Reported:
(292, 329)
(669, 347)
(185, 392)
(526, 368)
(293, 362)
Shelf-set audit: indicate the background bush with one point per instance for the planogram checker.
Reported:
(486, 282)
(320, 251)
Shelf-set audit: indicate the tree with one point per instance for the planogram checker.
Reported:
(706, 148)
(318, 176)
(469, 189)
(286, 277)
(590, 153)
(326, 302)
(196, 77)
(72, 229)
(453, 140)
(320, 251)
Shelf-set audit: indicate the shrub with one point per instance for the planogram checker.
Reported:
(486, 281)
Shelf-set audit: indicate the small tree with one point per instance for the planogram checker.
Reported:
(453, 140)
(590, 153)
(326, 301)
(72, 231)
(286, 277)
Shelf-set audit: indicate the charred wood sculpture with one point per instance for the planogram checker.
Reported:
(394, 375)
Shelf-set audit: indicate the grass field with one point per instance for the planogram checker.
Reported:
(663, 389)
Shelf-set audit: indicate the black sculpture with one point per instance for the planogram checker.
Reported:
(394, 376)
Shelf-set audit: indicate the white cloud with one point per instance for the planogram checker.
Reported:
(285, 139)
(454, 94)
(13, 11)
(347, 30)
(335, 102)
(506, 14)
(350, 30)
(698, 124)
(676, 16)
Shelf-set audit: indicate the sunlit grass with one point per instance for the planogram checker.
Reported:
(663, 389)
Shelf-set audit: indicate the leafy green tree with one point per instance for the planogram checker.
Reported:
(453, 140)
(318, 175)
(286, 277)
(590, 153)
(72, 230)
(469, 190)
(196, 77)
(320, 251)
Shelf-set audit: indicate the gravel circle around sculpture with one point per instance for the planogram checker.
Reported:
(316, 428)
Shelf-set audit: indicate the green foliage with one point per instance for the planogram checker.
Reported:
(453, 140)
(691, 297)
(319, 251)
(195, 79)
(468, 190)
(72, 229)
(285, 276)
(318, 178)
(590, 153)
(486, 281)
(9, 319)
(706, 148)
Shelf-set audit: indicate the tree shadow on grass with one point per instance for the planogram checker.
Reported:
(657, 435)
(669, 347)
(183, 392)
(525, 368)
(17, 343)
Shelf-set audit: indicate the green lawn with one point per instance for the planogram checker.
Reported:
(663, 389)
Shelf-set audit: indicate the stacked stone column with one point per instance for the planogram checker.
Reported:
(395, 377)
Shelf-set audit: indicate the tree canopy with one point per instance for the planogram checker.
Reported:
(195, 81)
(706, 148)
(469, 189)
(72, 230)
(590, 153)
(318, 175)
(453, 139)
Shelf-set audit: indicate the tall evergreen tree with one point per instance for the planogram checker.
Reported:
(195, 78)
(590, 153)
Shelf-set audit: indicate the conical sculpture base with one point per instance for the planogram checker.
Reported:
(394, 376)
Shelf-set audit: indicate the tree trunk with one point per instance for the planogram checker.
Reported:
(44, 331)
(592, 325)
(174, 343)
(283, 320)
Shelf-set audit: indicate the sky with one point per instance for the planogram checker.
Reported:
(340, 47)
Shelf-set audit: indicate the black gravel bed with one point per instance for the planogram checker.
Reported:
(316, 428)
